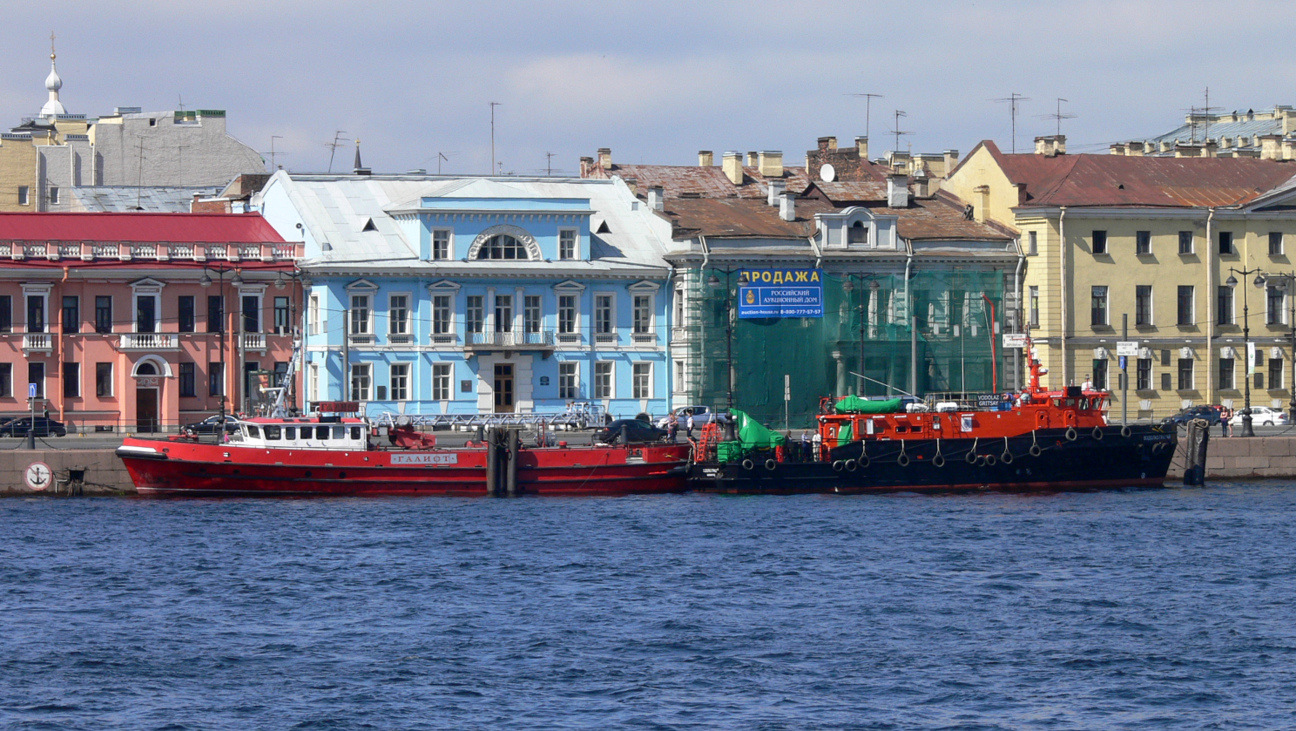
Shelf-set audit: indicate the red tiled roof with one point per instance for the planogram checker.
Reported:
(1121, 180)
(248, 228)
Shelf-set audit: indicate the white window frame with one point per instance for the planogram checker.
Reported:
(314, 314)
(532, 313)
(442, 380)
(569, 369)
(364, 371)
(641, 384)
(575, 314)
(42, 291)
(651, 299)
(448, 254)
(364, 332)
(503, 324)
(680, 304)
(604, 379)
(469, 308)
(398, 374)
(24, 195)
(679, 376)
(575, 244)
(313, 387)
(406, 335)
(447, 322)
(611, 299)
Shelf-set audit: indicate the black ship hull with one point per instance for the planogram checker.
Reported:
(1041, 461)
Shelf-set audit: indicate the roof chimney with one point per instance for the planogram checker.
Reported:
(861, 146)
(1270, 146)
(827, 143)
(656, 198)
(705, 159)
(951, 161)
(776, 188)
(586, 165)
(771, 163)
(1050, 145)
(897, 191)
(787, 206)
(732, 164)
(605, 158)
(753, 159)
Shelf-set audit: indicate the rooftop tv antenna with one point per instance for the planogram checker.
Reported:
(492, 108)
(1059, 115)
(1013, 100)
(897, 131)
(549, 156)
(868, 105)
(338, 139)
(273, 154)
(441, 156)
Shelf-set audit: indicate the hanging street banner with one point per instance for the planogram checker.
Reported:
(781, 293)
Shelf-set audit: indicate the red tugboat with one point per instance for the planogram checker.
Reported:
(335, 455)
(1041, 440)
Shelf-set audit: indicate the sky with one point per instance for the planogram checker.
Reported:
(653, 81)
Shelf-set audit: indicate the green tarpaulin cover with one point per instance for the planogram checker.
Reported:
(857, 405)
(845, 434)
(753, 434)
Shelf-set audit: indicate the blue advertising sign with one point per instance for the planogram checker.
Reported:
(781, 293)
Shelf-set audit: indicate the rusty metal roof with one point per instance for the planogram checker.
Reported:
(854, 191)
(936, 219)
(735, 217)
(706, 182)
(1120, 180)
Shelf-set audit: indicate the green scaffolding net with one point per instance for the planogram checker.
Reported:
(933, 334)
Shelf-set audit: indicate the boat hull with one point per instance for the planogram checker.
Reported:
(1041, 461)
(185, 468)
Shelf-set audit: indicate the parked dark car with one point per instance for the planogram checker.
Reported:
(211, 425)
(635, 431)
(43, 427)
(1210, 413)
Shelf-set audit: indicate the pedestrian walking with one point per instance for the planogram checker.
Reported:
(672, 426)
(689, 433)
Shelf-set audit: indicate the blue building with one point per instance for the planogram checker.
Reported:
(437, 295)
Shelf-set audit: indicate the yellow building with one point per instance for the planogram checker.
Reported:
(1152, 241)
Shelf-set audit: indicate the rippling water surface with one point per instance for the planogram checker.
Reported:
(1149, 609)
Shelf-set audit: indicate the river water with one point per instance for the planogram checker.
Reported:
(1142, 609)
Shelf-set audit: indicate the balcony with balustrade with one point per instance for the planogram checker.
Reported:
(37, 342)
(161, 251)
(513, 340)
(149, 341)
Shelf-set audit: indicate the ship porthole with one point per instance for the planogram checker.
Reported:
(1035, 450)
(1126, 431)
(1097, 433)
(1071, 434)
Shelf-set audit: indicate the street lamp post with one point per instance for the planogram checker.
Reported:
(1247, 430)
(714, 282)
(206, 281)
(865, 293)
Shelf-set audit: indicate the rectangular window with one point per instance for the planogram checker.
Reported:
(566, 313)
(1034, 307)
(6, 314)
(103, 380)
(71, 380)
(1185, 374)
(280, 377)
(1032, 245)
(146, 314)
(531, 313)
(314, 315)
(1185, 309)
(1275, 373)
(1098, 306)
(643, 314)
(1143, 305)
(24, 194)
(1099, 242)
(441, 245)
(603, 380)
(6, 380)
(440, 381)
(1224, 308)
(1185, 242)
(36, 375)
(602, 314)
(215, 378)
(282, 316)
(188, 380)
(359, 315)
(35, 313)
(1100, 374)
(251, 314)
(360, 381)
(475, 314)
(398, 317)
(1226, 374)
(1275, 243)
(1165, 381)
(1143, 375)
(53, 194)
(1142, 242)
(215, 313)
(1275, 306)
(1226, 242)
(400, 381)
(642, 380)
(71, 314)
(568, 380)
(185, 313)
(679, 308)
(441, 324)
(503, 313)
(679, 376)
(567, 244)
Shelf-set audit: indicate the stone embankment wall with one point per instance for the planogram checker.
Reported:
(1236, 457)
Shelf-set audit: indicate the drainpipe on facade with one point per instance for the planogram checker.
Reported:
(1064, 295)
(1021, 313)
(346, 354)
(58, 347)
(1212, 264)
(913, 329)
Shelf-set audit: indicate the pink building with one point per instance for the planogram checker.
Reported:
(143, 321)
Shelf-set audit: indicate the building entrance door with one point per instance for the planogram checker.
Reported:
(504, 388)
(146, 410)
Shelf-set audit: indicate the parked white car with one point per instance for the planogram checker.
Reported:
(702, 416)
(1262, 416)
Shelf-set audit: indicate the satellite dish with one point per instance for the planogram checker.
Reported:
(827, 173)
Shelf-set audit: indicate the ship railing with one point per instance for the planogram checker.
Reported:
(582, 417)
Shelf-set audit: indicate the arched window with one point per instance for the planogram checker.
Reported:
(502, 246)
(146, 369)
(858, 233)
